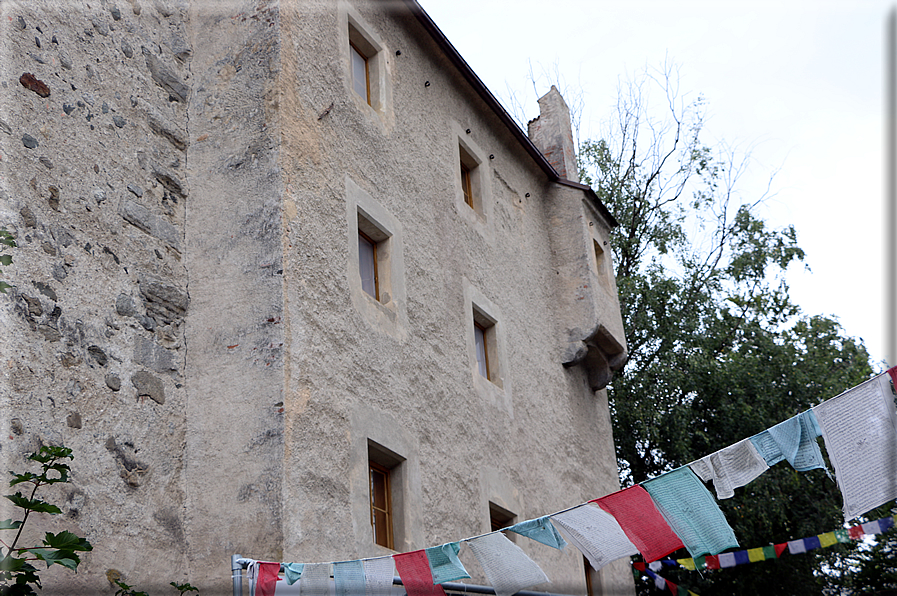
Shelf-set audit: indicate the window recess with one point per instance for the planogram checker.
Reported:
(381, 505)
(361, 73)
(486, 346)
(373, 259)
(385, 475)
(367, 64)
(500, 518)
(471, 183)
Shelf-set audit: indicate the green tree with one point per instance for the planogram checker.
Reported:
(718, 352)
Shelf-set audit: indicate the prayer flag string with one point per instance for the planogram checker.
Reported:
(683, 510)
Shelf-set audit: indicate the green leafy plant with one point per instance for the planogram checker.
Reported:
(17, 574)
(126, 590)
(6, 240)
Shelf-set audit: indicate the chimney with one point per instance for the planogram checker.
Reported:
(552, 133)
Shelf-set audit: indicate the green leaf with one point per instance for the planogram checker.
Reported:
(33, 504)
(66, 540)
(184, 588)
(66, 558)
(125, 590)
(8, 524)
(49, 453)
(26, 477)
(10, 563)
(5, 260)
(7, 239)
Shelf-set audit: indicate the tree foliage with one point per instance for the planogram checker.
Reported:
(718, 351)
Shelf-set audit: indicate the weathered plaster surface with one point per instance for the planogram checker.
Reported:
(187, 314)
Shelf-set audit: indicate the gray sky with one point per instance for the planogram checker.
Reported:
(800, 82)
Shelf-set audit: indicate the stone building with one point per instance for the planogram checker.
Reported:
(268, 249)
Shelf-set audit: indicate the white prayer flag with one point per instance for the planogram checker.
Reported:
(315, 580)
(730, 468)
(859, 428)
(507, 567)
(378, 574)
(596, 533)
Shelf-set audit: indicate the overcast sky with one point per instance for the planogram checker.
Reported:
(801, 82)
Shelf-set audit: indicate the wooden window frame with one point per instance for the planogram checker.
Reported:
(486, 326)
(373, 243)
(388, 539)
(471, 182)
(465, 185)
(479, 332)
(367, 71)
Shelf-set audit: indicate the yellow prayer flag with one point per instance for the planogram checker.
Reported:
(756, 554)
(687, 563)
(827, 539)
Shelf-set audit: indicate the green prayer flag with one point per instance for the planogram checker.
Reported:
(769, 552)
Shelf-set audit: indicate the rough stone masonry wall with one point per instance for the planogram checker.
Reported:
(92, 142)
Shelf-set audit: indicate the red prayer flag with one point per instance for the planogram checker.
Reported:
(855, 532)
(639, 565)
(642, 523)
(712, 561)
(893, 372)
(267, 579)
(414, 569)
(780, 548)
(673, 587)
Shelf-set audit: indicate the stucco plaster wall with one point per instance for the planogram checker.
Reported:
(543, 430)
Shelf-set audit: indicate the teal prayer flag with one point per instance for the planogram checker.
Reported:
(793, 440)
(292, 572)
(540, 530)
(348, 578)
(692, 512)
(444, 563)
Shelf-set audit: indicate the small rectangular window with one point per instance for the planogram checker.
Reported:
(386, 477)
(500, 518)
(381, 506)
(361, 77)
(367, 265)
(470, 179)
(373, 259)
(601, 265)
(479, 334)
(465, 185)
(486, 348)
